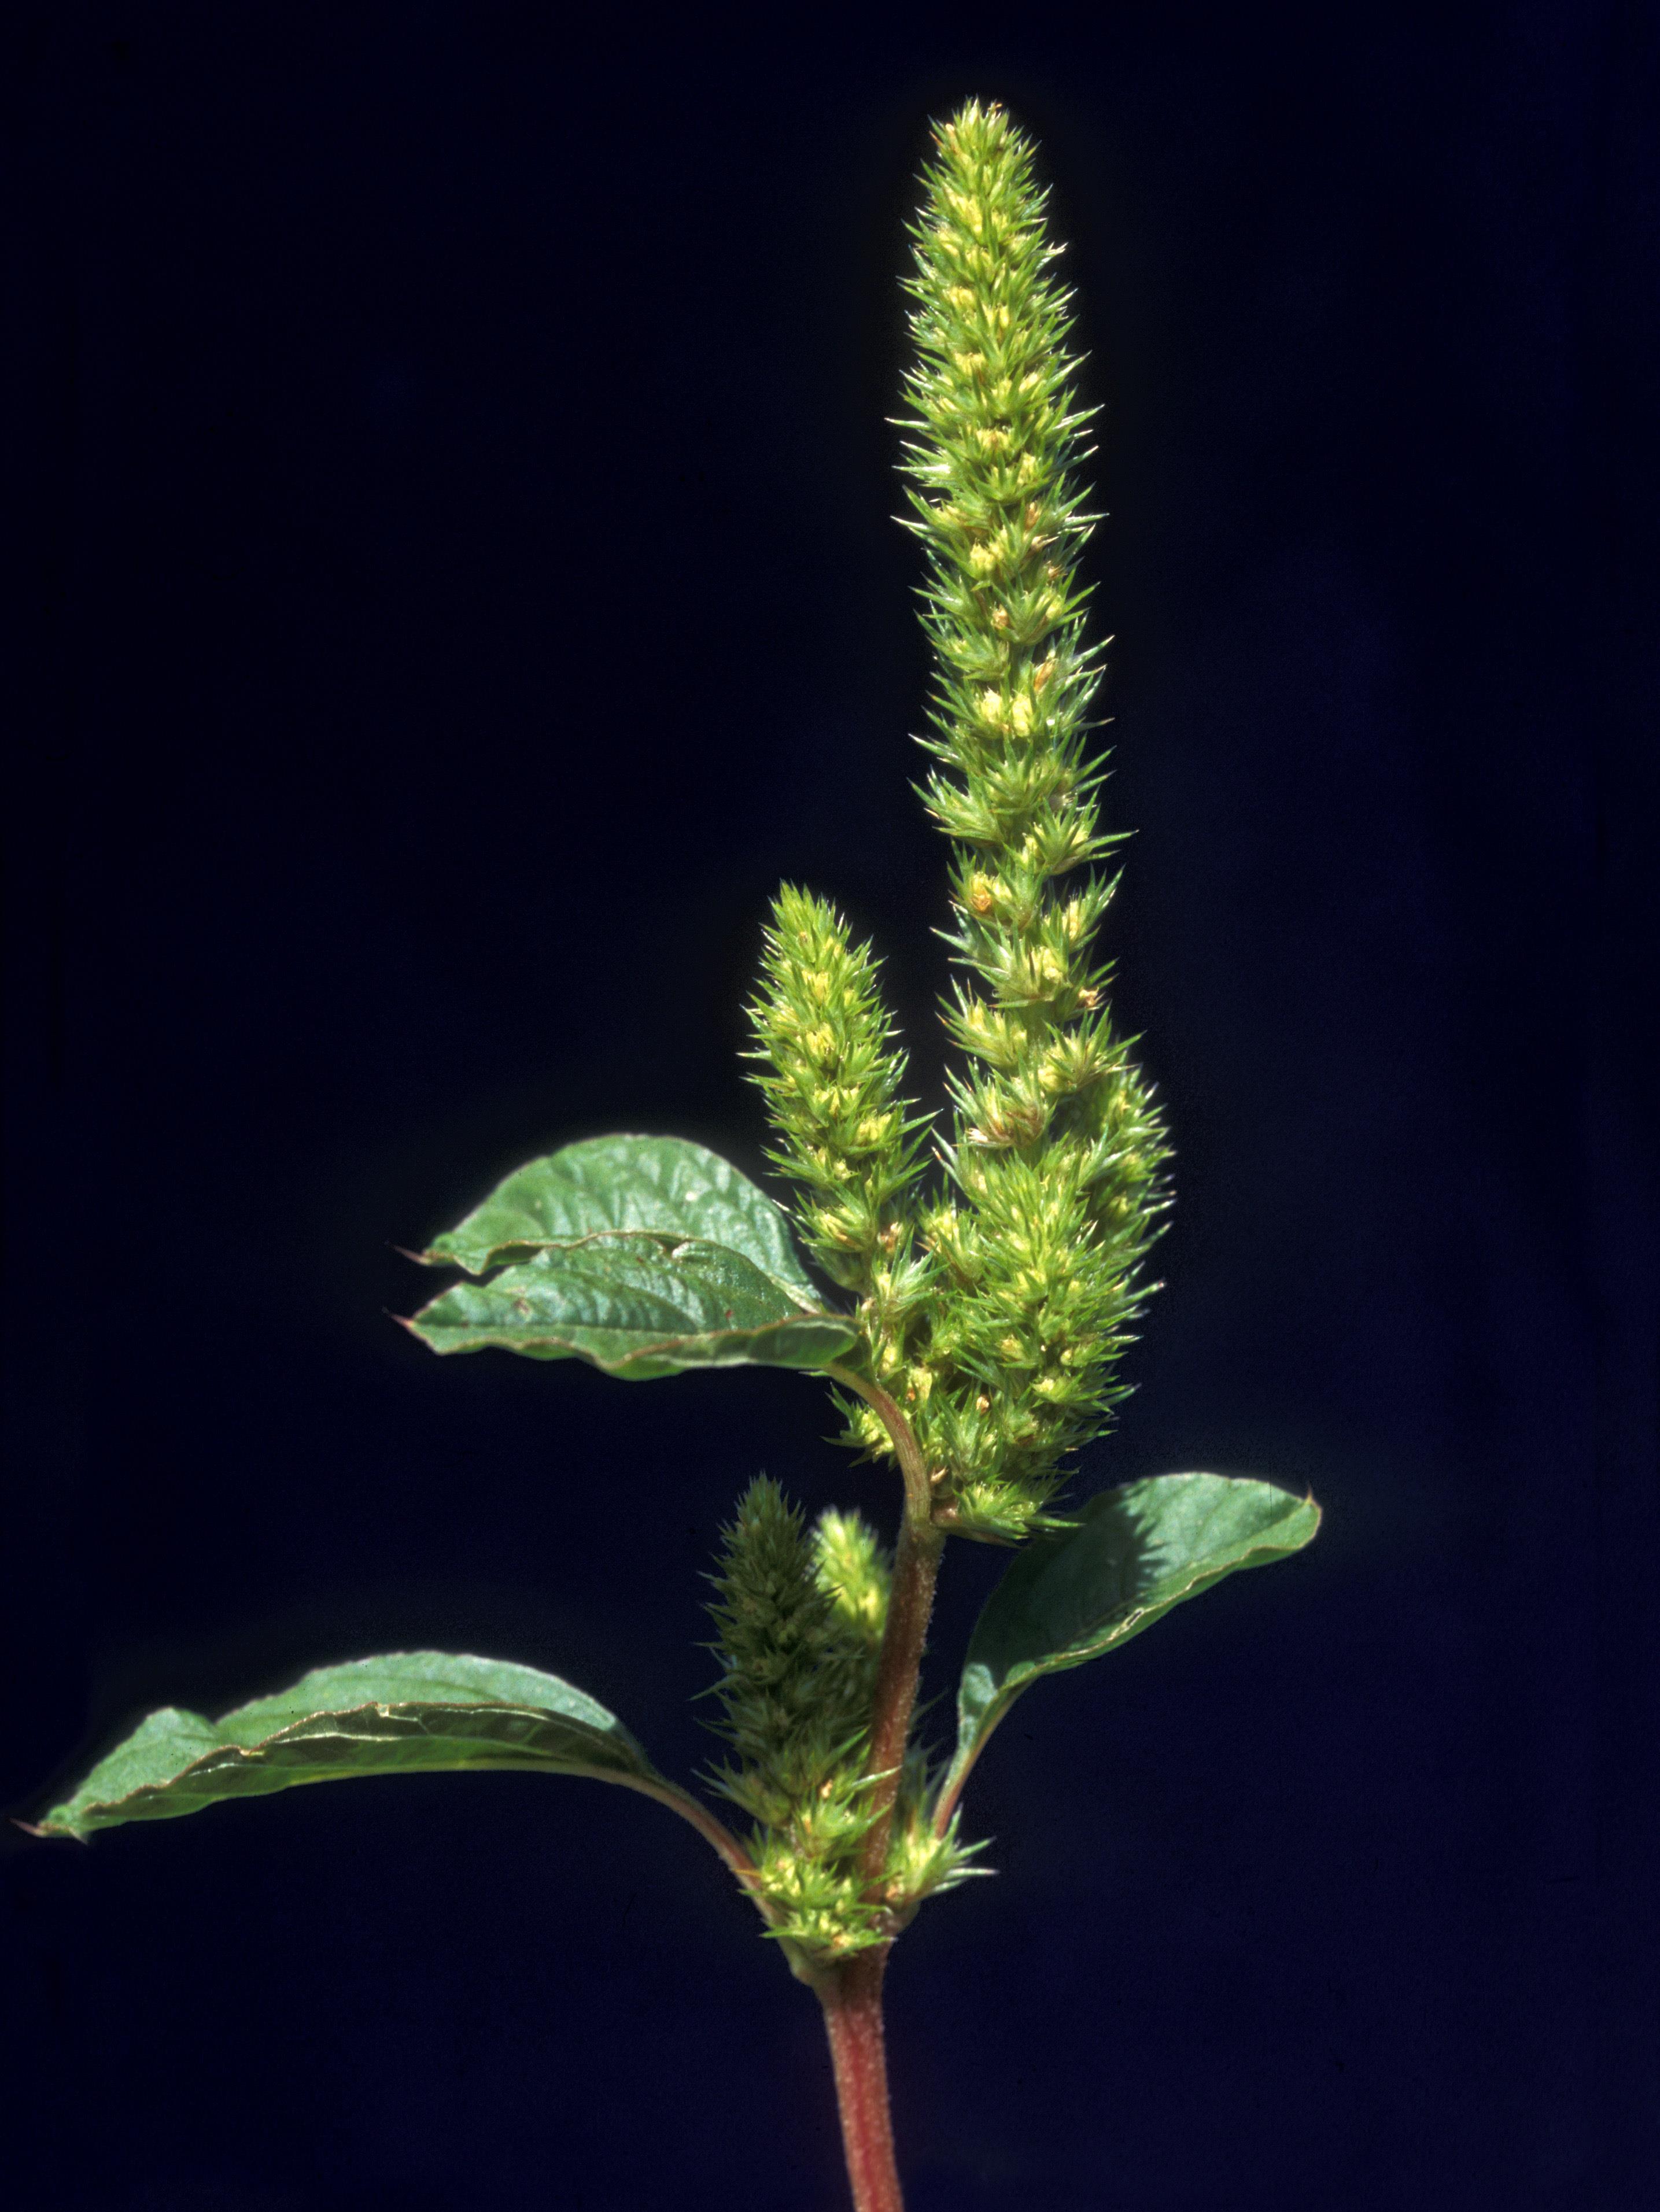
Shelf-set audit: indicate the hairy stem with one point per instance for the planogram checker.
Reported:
(916, 1570)
(919, 1491)
(852, 1997)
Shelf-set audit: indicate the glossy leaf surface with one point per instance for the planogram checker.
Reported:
(1138, 1550)
(655, 1185)
(405, 1713)
(638, 1306)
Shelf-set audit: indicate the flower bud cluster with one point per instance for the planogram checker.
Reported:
(1059, 1145)
(799, 1615)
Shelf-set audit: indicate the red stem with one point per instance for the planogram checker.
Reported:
(916, 1570)
(852, 1997)
(852, 1994)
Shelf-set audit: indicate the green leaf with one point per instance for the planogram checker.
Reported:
(637, 1306)
(1138, 1550)
(657, 1186)
(646, 1256)
(408, 1712)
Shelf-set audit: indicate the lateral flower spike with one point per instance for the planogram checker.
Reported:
(797, 1625)
(833, 1078)
(1059, 1145)
(799, 1615)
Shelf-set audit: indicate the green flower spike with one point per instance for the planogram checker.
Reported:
(799, 1616)
(798, 1656)
(993, 1317)
(1058, 1144)
(832, 1077)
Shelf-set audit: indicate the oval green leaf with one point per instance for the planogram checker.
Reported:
(638, 1306)
(408, 1712)
(1136, 1552)
(655, 1185)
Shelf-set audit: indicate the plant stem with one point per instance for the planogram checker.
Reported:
(852, 1994)
(916, 1570)
(919, 1491)
(852, 1997)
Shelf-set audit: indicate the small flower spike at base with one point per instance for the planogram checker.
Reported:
(799, 1616)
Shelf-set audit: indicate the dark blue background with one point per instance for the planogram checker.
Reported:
(460, 573)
